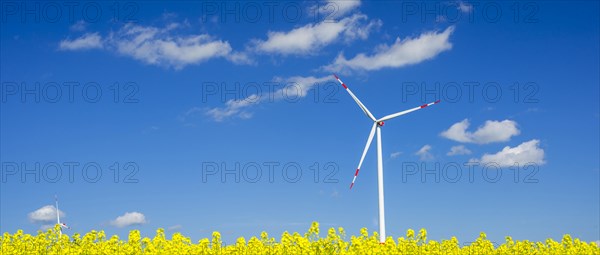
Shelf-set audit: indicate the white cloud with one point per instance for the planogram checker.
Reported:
(45, 227)
(337, 8)
(401, 53)
(190, 113)
(527, 152)
(335, 194)
(84, 42)
(307, 40)
(491, 131)
(78, 26)
(150, 129)
(159, 46)
(129, 219)
(458, 150)
(395, 154)
(464, 7)
(440, 19)
(231, 108)
(240, 58)
(424, 153)
(292, 88)
(45, 214)
(298, 86)
(175, 227)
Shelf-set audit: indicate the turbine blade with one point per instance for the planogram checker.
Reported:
(362, 158)
(360, 104)
(391, 116)
(63, 225)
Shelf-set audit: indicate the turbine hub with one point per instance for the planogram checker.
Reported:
(380, 123)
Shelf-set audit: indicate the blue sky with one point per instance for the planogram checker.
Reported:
(195, 95)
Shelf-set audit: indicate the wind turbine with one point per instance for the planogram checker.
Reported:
(377, 124)
(62, 225)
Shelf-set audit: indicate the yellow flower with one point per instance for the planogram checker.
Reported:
(335, 242)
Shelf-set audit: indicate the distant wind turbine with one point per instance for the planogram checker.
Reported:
(377, 124)
(62, 225)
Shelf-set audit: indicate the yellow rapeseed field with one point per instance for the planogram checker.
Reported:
(334, 242)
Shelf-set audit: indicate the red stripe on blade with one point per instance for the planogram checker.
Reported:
(344, 85)
(335, 76)
(437, 101)
(351, 184)
(423, 106)
(356, 173)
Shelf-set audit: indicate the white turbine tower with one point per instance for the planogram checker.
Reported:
(62, 225)
(377, 124)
